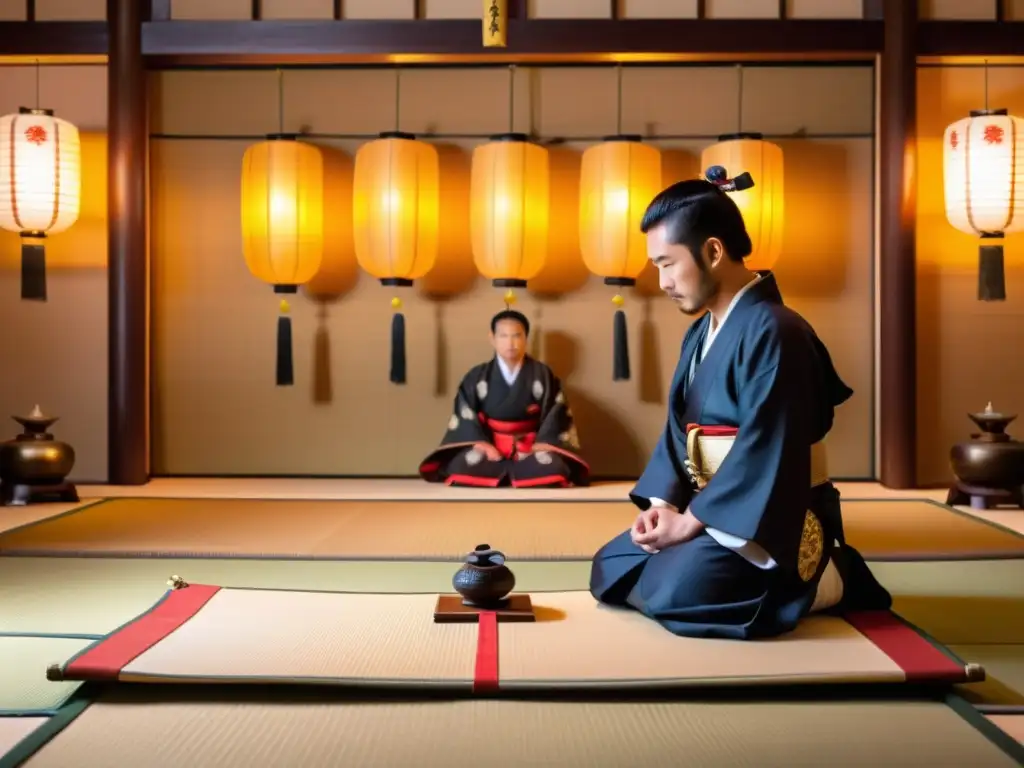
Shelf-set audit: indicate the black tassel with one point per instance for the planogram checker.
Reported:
(398, 348)
(991, 275)
(33, 271)
(285, 367)
(620, 351)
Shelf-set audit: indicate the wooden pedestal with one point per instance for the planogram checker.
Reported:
(450, 610)
(978, 497)
(19, 495)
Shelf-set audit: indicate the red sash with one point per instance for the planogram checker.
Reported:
(512, 437)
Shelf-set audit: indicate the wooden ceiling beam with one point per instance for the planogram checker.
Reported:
(970, 38)
(177, 43)
(53, 38)
(548, 38)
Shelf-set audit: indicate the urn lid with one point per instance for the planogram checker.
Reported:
(36, 421)
(483, 556)
(991, 420)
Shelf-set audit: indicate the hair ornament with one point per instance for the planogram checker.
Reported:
(718, 176)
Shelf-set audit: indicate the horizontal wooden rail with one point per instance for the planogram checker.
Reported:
(213, 43)
(53, 38)
(540, 38)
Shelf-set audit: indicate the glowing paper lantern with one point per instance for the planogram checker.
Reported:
(495, 23)
(984, 187)
(509, 196)
(761, 204)
(282, 224)
(396, 217)
(618, 179)
(40, 186)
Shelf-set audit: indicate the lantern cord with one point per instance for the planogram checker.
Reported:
(37, 83)
(398, 348)
(739, 99)
(280, 101)
(33, 270)
(618, 96)
(620, 348)
(285, 363)
(398, 98)
(991, 273)
(511, 98)
(985, 70)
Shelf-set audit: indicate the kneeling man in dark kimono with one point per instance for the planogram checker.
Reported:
(511, 423)
(740, 533)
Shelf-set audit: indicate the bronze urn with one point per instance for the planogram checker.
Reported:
(33, 466)
(484, 581)
(989, 469)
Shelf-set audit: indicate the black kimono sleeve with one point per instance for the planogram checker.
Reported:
(664, 477)
(464, 426)
(557, 426)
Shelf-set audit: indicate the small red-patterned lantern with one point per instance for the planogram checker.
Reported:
(40, 186)
(983, 160)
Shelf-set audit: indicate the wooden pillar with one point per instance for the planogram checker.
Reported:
(127, 255)
(897, 279)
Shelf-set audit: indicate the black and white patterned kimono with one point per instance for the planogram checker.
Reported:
(514, 418)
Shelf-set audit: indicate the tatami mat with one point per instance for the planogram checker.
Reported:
(1011, 725)
(206, 633)
(94, 596)
(277, 636)
(221, 732)
(1004, 673)
(408, 488)
(14, 728)
(23, 661)
(966, 605)
(16, 517)
(435, 530)
(589, 643)
(415, 489)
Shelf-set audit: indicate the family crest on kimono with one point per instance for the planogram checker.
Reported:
(511, 423)
(740, 532)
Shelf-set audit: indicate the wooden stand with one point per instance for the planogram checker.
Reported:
(978, 497)
(21, 494)
(451, 610)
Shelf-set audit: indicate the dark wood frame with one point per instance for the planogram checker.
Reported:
(140, 34)
(127, 248)
(254, 41)
(896, 463)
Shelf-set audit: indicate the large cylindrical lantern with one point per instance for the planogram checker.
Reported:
(983, 171)
(618, 179)
(762, 204)
(40, 186)
(509, 199)
(282, 224)
(396, 199)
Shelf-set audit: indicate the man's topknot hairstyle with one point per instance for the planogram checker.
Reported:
(694, 211)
